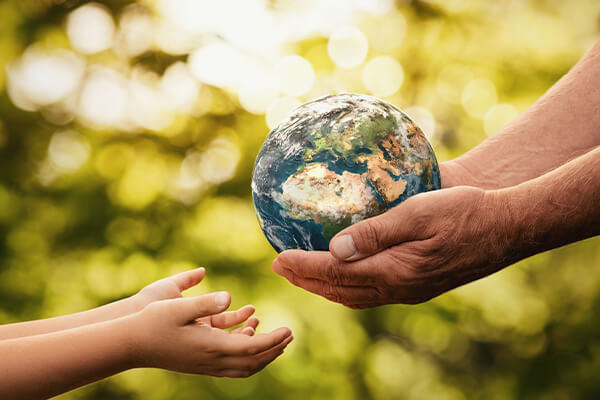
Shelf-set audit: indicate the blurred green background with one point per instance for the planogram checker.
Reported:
(128, 132)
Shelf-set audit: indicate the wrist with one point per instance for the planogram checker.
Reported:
(460, 172)
(509, 225)
(135, 303)
(131, 334)
(454, 173)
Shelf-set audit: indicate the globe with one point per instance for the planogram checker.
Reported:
(336, 161)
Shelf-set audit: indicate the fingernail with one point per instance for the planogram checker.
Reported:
(343, 247)
(221, 299)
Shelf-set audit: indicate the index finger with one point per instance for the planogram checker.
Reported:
(322, 265)
(243, 345)
(228, 319)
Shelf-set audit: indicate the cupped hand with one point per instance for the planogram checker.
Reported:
(188, 335)
(427, 245)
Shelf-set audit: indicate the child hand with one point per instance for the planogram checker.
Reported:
(187, 335)
(167, 288)
(171, 288)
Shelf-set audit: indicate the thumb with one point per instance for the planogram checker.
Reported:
(374, 234)
(190, 308)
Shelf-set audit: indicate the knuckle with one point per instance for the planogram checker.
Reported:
(369, 237)
(333, 274)
(420, 217)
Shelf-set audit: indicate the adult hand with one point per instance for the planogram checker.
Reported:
(427, 245)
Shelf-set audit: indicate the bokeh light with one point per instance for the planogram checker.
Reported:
(44, 77)
(383, 76)
(348, 47)
(217, 64)
(104, 99)
(68, 150)
(218, 163)
(147, 106)
(256, 94)
(91, 28)
(387, 34)
(179, 87)
(128, 135)
(136, 31)
(295, 75)
(280, 109)
(478, 96)
(451, 81)
(498, 116)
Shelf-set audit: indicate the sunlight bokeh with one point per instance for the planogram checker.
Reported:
(128, 134)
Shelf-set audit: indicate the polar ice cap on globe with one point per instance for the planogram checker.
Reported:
(333, 162)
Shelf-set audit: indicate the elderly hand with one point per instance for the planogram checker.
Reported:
(429, 244)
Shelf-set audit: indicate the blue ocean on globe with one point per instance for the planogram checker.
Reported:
(336, 161)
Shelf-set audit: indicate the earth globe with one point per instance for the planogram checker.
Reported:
(333, 162)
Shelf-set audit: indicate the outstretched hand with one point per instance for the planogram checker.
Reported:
(172, 287)
(429, 244)
(188, 335)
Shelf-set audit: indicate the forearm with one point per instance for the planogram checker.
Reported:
(104, 313)
(561, 125)
(38, 367)
(555, 209)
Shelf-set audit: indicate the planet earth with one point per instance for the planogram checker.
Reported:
(333, 162)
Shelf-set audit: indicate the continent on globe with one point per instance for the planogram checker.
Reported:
(333, 162)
